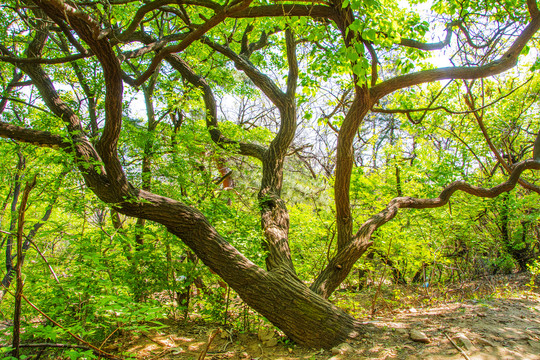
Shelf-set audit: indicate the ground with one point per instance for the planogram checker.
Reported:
(493, 318)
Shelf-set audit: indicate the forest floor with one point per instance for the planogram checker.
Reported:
(494, 318)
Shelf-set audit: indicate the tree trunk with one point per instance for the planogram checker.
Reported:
(278, 295)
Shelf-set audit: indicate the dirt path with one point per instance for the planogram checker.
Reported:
(490, 329)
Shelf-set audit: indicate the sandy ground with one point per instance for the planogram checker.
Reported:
(488, 328)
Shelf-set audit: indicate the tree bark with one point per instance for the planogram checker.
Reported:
(278, 295)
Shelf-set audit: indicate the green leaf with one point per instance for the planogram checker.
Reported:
(369, 35)
(352, 55)
(359, 70)
(359, 47)
(356, 25)
(536, 65)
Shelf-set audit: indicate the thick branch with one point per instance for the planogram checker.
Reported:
(344, 163)
(274, 214)
(30, 136)
(374, 63)
(87, 158)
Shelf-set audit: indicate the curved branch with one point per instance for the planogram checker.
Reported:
(139, 16)
(88, 30)
(344, 163)
(30, 136)
(506, 61)
(444, 196)
(444, 108)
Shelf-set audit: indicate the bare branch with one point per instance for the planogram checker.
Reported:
(314, 11)
(431, 46)
(506, 61)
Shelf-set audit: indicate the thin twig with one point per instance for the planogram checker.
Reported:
(457, 347)
(68, 346)
(44, 259)
(95, 349)
(111, 334)
(211, 337)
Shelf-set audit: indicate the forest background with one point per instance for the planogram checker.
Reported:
(254, 150)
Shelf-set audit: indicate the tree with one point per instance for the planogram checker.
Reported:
(361, 47)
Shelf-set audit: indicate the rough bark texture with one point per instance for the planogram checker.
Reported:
(278, 295)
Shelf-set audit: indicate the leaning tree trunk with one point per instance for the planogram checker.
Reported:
(278, 295)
